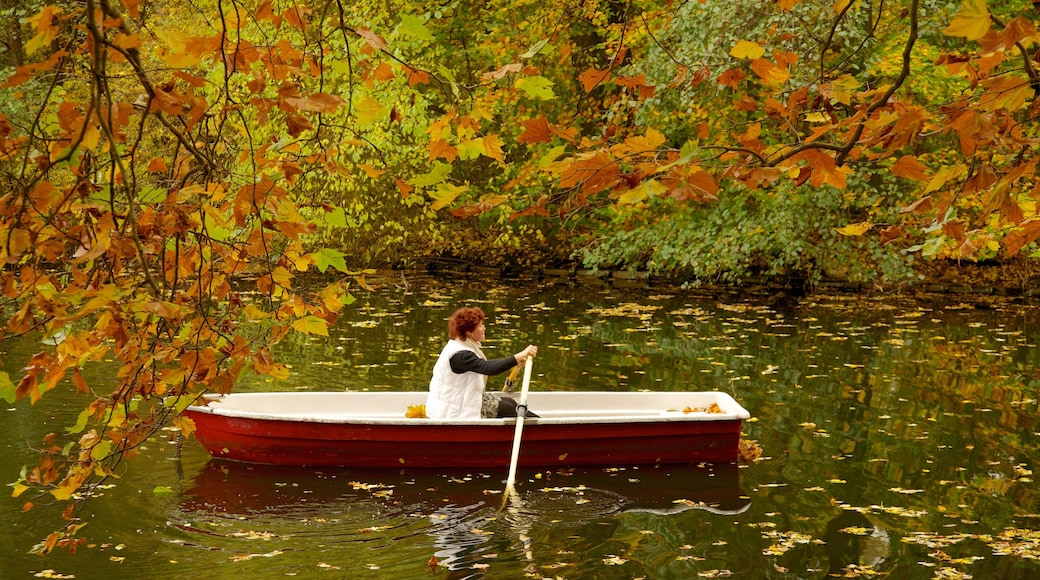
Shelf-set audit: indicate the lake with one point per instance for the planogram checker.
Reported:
(898, 437)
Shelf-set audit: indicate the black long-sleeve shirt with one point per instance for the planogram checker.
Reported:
(467, 361)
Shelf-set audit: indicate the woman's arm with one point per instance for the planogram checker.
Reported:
(467, 361)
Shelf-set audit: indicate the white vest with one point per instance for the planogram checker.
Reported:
(453, 395)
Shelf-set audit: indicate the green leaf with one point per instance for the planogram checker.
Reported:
(162, 490)
(336, 218)
(414, 26)
(436, 175)
(688, 152)
(101, 450)
(326, 257)
(7, 388)
(536, 49)
(81, 422)
(551, 156)
(537, 87)
(445, 194)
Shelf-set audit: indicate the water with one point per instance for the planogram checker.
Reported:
(898, 437)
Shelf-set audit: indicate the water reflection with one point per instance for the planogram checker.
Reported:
(232, 488)
(460, 511)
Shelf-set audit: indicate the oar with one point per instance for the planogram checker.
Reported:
(521, 414)
(510, 380)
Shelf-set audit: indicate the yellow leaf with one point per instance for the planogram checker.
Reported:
(369, 110)
(641, 192)
(175, 53)
(445, 194)
(311, 325)
(493, 148)
(43, 22)
(972, 21)
(19, 489)
(843, 88)
(855, 229)
(747, 49)
(416, 412)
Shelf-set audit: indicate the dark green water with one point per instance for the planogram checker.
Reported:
(899, 438)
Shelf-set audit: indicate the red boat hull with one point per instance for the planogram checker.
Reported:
(422, 445)
(369, 430)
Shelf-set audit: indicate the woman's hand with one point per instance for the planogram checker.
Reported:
(521, 357)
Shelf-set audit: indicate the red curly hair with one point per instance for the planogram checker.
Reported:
(464, 321)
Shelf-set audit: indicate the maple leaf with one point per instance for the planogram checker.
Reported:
(855, 229)
(445, 194)
(731, 78)
(536, 87)
(535, 131)
(745, 49)
(369, 110)
(972, 21)
(372, 39)
(769, 72)
(503, 71)
(311, 325)
(493, 148)
(46, 31)
(439, 148)
(909, 167)
(592, 77)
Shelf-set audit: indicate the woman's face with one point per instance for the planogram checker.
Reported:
(478, 333)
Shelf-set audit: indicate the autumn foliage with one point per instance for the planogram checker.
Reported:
(170, 170)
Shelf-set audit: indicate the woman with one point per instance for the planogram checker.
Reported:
(461, 371)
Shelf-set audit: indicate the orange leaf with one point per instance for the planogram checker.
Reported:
(417, 77)
(133, 8)
(384, 72)
(592, 77)
(909, 167)
(372, 39)
(81, 383)
(731, 78)
(370, 171)
(24, 73)
(1028, 232)
(156, 165)
(890, 234)
(535, 131)
(404, 187)
(442, 149)
(921, 206)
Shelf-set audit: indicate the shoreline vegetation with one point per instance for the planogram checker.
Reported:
(1020, 279)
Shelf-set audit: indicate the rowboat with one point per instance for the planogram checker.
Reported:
(371, 429)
